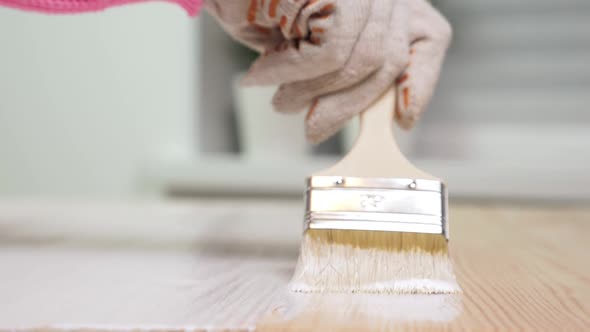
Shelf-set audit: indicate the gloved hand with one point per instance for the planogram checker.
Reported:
(336, 57)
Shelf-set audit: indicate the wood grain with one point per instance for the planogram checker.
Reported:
(209, 266)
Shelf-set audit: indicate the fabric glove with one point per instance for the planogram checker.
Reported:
(335, 57)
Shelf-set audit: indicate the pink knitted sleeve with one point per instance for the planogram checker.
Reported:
(81, 6)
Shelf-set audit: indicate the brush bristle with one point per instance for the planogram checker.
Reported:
(373, 262)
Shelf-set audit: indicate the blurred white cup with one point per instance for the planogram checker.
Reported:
(264, 133)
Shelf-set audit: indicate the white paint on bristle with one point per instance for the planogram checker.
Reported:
(411, 286)
(342, 268)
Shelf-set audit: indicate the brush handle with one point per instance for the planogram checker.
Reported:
(375, 152)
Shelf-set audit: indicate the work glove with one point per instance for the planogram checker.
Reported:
(335, 57)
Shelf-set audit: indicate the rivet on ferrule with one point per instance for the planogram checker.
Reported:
(339, 181)
(412, 185)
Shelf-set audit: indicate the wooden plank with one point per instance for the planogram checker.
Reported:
(208, 266)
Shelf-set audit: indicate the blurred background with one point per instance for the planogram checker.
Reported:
(141, 101)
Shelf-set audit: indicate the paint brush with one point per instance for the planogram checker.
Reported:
(374, 222)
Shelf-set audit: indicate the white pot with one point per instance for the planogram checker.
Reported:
(263, 133)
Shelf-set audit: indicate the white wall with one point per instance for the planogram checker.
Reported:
(87, 100)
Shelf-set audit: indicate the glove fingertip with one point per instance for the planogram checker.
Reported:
(286, 100)
(407, 108)
(248, 80)
(282, 106)
(279, 102)
(406, 123)
(258, 74)
(313, 129)
(319, 124)
(314, 136)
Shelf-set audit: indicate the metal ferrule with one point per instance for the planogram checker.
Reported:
(377, 204)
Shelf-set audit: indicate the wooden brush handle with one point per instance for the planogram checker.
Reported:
(375, 152)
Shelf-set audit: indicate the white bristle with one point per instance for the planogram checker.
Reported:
(373, 262)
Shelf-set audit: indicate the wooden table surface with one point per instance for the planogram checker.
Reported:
(215, 265)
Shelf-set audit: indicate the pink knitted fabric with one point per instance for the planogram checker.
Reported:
(82, 6)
